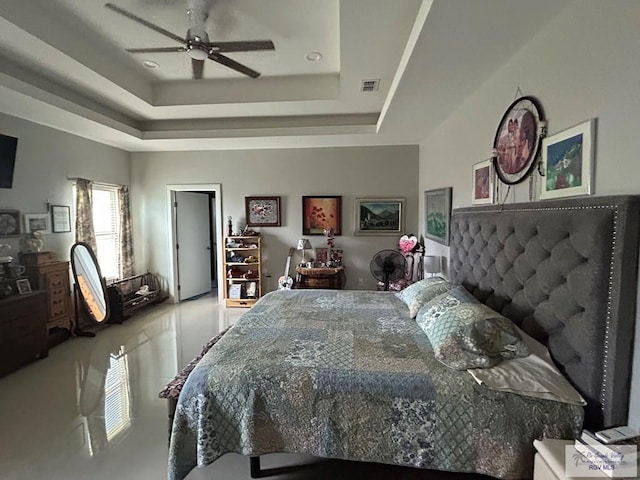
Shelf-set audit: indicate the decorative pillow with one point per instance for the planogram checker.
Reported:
(419, 293)
(465, 333)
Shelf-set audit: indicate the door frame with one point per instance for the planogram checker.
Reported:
(172, 279)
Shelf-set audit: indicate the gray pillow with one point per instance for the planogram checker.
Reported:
(421, 292)
(465, 333)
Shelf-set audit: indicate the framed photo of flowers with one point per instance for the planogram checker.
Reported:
(437, 214)
(262, 211)
(567, 162)
(320, 212)
(483, 183)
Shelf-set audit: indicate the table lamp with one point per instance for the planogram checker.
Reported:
(304, 244)
(432, 264)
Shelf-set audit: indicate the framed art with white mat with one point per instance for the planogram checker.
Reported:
(483, 183)
(567, 162)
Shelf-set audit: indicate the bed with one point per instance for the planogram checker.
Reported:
(347, 374)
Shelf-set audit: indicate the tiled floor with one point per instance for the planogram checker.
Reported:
(91, 409)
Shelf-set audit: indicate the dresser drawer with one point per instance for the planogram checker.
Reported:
(55, 281)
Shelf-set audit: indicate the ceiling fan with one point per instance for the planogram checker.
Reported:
(197, 43)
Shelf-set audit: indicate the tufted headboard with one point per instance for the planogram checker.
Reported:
(566, 272)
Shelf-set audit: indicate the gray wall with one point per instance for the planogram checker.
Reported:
(350, 172)
(44, 160)
(584, 64)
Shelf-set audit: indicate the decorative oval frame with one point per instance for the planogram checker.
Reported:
(517, 141)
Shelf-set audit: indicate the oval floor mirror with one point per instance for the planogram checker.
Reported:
(90, 287)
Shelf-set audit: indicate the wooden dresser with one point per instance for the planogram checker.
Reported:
(47, 273)
(23, 330)
(320, 277)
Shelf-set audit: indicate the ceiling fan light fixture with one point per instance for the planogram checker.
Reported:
(198, 54)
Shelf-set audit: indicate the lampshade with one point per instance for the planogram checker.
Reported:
(304, 244)
(432, 264)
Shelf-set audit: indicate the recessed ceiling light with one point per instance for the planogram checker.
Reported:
(150, 64)
(313, 56)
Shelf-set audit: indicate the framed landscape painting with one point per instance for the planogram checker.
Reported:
(437, 214)
(379, 216)
(567, 162)
(320, 212)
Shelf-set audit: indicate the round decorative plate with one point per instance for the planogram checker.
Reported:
(8, 224)
(517, 141)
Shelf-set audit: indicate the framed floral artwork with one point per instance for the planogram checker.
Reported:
(437, 214)
(262, 211)
(567, 162)
(379, 216)
(517, 140)
(320, 213)
(483, 184)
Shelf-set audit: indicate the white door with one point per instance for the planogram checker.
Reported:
(193, 243)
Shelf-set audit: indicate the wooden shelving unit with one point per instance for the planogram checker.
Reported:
(243, 270)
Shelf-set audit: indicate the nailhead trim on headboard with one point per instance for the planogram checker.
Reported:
(492, 253)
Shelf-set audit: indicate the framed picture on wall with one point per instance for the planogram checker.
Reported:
(437, 214)
(262, 211)
(483, 183)
(567, 162)
(36, 222)
(320, 212)
(379, 216)
(60, 219)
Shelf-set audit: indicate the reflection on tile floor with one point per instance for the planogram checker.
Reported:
(91, 409)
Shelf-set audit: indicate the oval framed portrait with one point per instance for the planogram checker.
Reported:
(517, 141)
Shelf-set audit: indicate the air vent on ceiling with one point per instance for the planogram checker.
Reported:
(370, 85)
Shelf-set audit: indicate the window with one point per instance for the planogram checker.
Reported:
(106, 223)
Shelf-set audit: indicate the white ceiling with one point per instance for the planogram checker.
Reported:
(63, 63)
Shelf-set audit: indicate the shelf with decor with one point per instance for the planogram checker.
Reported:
(243, 270)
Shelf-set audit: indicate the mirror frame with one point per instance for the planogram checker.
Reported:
(103, 283)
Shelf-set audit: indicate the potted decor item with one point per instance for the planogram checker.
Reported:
(33, 242)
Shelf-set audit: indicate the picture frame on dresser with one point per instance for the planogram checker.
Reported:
(23, 286)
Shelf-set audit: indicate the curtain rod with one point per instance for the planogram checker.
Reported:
(75, 179)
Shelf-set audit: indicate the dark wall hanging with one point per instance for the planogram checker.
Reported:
(517, 141)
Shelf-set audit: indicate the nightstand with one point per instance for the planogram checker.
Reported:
(320, 277)
(549, 461)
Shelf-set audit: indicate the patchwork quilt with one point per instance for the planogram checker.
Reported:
(347, 374)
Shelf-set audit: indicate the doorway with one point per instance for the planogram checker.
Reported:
(211, 215)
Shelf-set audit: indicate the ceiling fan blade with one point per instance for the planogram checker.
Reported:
(238, 67)
(198, 68)
(157, 50)
(244, 46)
(150, 25)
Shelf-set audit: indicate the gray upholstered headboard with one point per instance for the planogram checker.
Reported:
(566, 272)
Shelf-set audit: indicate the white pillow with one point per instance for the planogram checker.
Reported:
(533, 376)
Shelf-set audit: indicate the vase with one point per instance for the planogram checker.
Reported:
(32, 242)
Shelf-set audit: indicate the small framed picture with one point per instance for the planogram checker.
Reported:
(60, 219)
(235, 290)
(483, 185)
(36, 222)
(262, 211)
(567, 162)
(23, 286)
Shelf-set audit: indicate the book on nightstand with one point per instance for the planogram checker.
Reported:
(622, 460)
